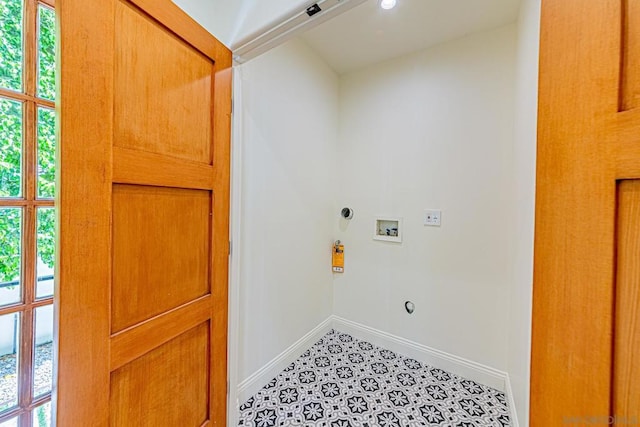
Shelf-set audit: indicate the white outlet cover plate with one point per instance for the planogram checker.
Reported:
(432, 217)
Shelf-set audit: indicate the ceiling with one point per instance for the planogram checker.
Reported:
(236, 21)
(361, 36)
(368, 34)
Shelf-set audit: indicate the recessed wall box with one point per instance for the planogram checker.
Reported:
(388, 229)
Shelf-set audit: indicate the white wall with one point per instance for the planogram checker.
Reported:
(524, 183)
(435, 130)
(289, 113)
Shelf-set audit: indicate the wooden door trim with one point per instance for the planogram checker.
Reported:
(574, 251)
(627, 144)
(85, 131)
(159, 170)
(184, 26)
(128, 345)
(221, 204)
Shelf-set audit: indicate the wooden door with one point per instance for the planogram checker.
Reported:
(586, 313)
(144, 123)
(626, 362)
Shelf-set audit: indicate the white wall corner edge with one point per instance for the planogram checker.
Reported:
(262, 376)
(513, 416)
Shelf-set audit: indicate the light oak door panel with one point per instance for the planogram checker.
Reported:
(630, 73)
(145, 113)
(163, 90)
(585, 297)
(626, 372)
(161, 251)
(165, 387)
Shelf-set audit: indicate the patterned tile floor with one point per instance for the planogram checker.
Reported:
(345, 382)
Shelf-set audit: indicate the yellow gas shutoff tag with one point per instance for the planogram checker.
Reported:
(338, 257)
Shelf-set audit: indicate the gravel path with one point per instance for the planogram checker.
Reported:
(8, 377)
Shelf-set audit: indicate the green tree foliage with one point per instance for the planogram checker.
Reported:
(47, 53)
(46, 152)
(11, 44)
(45, 238)
(10, 147)
(10, 225)
(11, 135)
(42, 417)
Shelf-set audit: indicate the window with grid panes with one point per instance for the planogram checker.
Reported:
(27, 210)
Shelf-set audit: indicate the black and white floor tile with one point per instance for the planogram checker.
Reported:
(345, 382)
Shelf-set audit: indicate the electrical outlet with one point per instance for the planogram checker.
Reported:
(432, 217)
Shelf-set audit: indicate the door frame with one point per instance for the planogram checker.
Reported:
(235, 264)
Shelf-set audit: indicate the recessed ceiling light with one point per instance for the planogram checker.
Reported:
(387, 4)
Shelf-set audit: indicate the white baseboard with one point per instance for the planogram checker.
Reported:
(436, 358)
(262, 376)
(513, 416)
